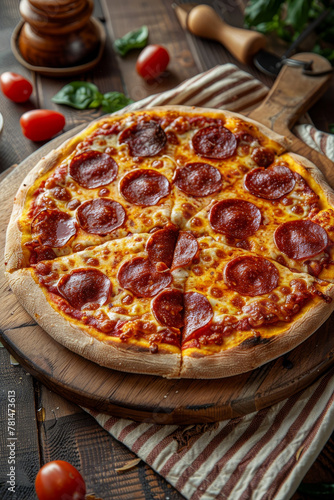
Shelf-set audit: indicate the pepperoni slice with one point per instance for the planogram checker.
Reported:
(53, 228)
(214, 142)
(300, 239)
(92, 169)
(198, 313)
(185, 250)
(144, 187)
(144, 139)
(85, 288)
(263, 157)
(100, 216)
(235, 218)
(140, 276)
(244, 137)
(160, 246)
(167, 307)
(40, 253)
(198, 179)
(271, 183)
(250, 275)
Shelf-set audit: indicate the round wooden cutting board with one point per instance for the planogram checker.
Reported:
(148, 398)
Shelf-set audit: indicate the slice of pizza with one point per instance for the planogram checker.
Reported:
(275, 212)
(212, 155)
(47, 227)
(118, 304)
(242, 310)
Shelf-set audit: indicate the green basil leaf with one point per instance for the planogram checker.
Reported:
(136, 39)
(96, 103)
(79, 95)
(331, 128)
(288, 18)
(261, 11)
(298, 13)
(317, 489)
(113, 101)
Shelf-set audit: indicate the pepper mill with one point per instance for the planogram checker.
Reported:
(58, 33)
(202, 20)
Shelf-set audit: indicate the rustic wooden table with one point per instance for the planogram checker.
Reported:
(48, 426)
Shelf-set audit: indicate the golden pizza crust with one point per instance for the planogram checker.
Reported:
(129, 358)
(247, 357)
(315, 176)
(14, 257)
(118, 356)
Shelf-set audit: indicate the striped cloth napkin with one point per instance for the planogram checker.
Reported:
(263, 455)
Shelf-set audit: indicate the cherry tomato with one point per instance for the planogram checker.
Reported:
(59, 480)
(41, 124)
(15, 87)
(152, 61)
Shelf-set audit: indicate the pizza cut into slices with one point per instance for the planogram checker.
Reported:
(175, 241)
(241, 307)
(122, 300)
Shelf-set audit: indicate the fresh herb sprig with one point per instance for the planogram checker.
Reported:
(136, 39)
(85, 95)
(288, 18)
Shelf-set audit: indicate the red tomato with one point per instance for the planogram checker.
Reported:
(15, 87)
(152, 61)
(41, 124)
(59, 480)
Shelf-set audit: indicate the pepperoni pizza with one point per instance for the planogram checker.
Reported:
(182, 242)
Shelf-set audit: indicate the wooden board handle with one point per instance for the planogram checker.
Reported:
(292, 94)
(241, 43)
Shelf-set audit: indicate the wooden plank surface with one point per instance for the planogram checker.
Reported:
(67, 433)
(196, 55)
(19, 447)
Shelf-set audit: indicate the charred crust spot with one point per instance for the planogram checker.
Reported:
(254, 341)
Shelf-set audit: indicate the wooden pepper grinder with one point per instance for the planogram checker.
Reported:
(58, 33)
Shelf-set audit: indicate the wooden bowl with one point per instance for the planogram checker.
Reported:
(56, 72)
